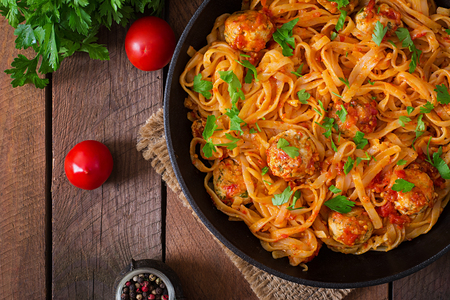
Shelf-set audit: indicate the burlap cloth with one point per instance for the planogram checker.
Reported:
(152, 143)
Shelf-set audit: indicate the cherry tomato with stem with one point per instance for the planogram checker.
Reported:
(150, 43)
(88, 164)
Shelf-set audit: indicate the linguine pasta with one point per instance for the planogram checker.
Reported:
(319, 122)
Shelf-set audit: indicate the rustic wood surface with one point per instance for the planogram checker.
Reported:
(94, 234)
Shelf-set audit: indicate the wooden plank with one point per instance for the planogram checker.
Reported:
(378, 292)
(22, 181)
(429, 283)
(96, 233)
(205, 271)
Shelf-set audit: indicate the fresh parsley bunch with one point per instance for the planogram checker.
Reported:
(56, 29)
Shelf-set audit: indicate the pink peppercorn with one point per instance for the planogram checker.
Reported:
(128, 283)
(145, 288)
(165, 297)
(151, 297)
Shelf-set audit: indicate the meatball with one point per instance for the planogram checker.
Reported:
(284, 165)
(361, 116)
(248, 30)
(197, 127)
(229, 183)
(332, 7)
(419, 198)
(352, 228)
(366, 19)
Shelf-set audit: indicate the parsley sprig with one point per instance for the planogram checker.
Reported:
(378, 33)
(438, 162)
(340, 204)
(303, 95)
(283, 144)
(202, 86)
(251, 71)
(360, 140)
(443, 95)
(208, 131)
(283, 36)
(405, 37)
(401, 185)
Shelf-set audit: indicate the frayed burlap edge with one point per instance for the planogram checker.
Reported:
(152, 144)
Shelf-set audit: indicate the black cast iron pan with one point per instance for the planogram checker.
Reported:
(328, 269)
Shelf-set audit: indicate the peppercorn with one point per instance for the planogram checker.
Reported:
(158, 281)
(125, 290)
(146, 283)
(162, 285)
(125, 296)
(158, 291)
(139, 297)
(165, 297)
(132, 295)
(145, 295)
(128, 283)
(135, 278)
(158, 297)
(144, 288)
(152, 277)
(132, 288)
(140, 279)
(151, 297)
(137, 285)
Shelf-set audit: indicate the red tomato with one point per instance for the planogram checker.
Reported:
(150, 43)
(88, 165)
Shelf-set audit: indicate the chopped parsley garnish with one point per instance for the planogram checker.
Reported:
(284, 145)
(401, 185)
(282, 198)
(303, 96)
(345, 81)
(208, 131)
(269, 183)
(333, 35)
(438, 162)
(337, 95)
(392, 43)
(341, 20)
(359, 159)
(235, 120)
(251, 71)
(299, 71)
(327, 125)
(257, 126)
(283, 36)
(348, 166)
(405, 37)
(342, 114)
(420, 128)
(360, 140)
(340, 3)
(321, 105)
(234, 86)
(232, 144)
(378, 33)
(340, 204)
(334, 189)
(333, 146)
(443, 96)
(427, 108)
(403, 120)
(252, 130)
(370, 82)
(244, 55)
(409, 109)
(264, 171)
(447, 31)
(401, 162)
(297, 196)
(202, 86)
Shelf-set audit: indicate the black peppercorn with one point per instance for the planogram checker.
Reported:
(125, 290)
(140, 279)
(132, 295)
(125, 296)
(132, 287)
(145, 295)
(162, 285)
(158, 291)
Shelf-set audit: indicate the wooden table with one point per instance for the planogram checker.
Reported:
(57, 241)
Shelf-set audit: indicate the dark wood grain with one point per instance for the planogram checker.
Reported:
(22, 181)
(430, 283)
(96, 233)
(205, 271)
(378, 292)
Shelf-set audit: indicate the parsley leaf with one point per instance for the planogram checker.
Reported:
(440, 164)
(337, 95)
(345, 81)
(371, 82)
(420, 128)
(340, 3)
(282, 198)
(427, 108)
(360, 140)
(403, 119)
(234, 86)
(341, 20)
(405, 37)
(401, 162)
(202, 86)
(264, 171)
(342, 114)
(235, 120)
(297, 196)
(252, 130)
(333, 35)
(359, 159)
(443, 96)
(327, 125)
(378, 33)
(283, 36)
(348, 166)
(299, 71)
(232, 144)
(340, 204)
(447, 31)
(409, 109)
(208, 131)
(251, 71)
(401, 185)
(284, 145)
(334, 189)
(303, 96)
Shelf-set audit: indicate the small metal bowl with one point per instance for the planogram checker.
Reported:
(161, 270)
